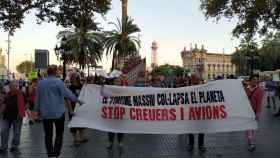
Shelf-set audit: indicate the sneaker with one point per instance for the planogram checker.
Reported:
(3, 151)
(190, 148)
(251, 147)
(15, 150)
(202, 148)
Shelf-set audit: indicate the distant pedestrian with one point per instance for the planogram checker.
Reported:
(270, 88)
(50, 105)
(13, 115)
(32, 88)
(196, 80)
(255, 96)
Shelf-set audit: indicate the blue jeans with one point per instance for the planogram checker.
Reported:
(5, 132)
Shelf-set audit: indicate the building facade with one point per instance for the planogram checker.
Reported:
(3, 70)
(209, 65)
(2, 58)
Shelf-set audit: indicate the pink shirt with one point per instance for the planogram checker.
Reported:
(255, 96)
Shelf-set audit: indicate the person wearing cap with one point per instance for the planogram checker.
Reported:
(49, 105)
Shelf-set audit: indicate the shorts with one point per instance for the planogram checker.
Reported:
(270, 93)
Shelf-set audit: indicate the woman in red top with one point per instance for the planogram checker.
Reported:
(255, 96)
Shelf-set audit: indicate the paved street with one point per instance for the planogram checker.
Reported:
(222, 145)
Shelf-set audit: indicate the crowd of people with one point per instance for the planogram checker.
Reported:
(48, 100)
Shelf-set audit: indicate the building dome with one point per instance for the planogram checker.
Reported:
(185, 53)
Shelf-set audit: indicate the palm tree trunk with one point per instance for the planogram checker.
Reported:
(124, 10)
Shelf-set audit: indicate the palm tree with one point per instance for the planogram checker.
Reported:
(121, 41)
(83, 48)
(124, 9)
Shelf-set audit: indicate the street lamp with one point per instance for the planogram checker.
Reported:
(251, 58)
(60, 52)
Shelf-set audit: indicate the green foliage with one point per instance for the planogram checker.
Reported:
(67, 13)
(268, 54)
(77, 13)
(248, 47)
(84, 49)
(169, 70)
(12, 13)
(121, 41)
(239, 59)
(253, 15)
(25, 67)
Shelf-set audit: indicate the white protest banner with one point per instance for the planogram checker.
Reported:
(219, 106)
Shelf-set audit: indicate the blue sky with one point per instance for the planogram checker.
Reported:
(173, 24)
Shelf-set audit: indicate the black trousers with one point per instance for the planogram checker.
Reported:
(111, 137)
(200, 139)
(54, 148)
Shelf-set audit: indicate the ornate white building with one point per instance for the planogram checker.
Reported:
(209, 65)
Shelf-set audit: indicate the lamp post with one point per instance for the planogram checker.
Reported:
(251, 58)
(60, 52)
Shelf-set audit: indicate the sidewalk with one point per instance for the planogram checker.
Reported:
(221, 145)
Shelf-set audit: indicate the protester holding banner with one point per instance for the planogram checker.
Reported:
(50, 105)
(75, 87)
(111, 136)
(196, 80)
(255, 95)
(13, 114)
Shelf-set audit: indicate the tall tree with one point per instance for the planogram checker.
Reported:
(12, 13)
(121, 41)
(64, 12)
(79, 15)
(270, 52)
(253, 15)
(87, 53)
(247, 49)
(25, 67)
